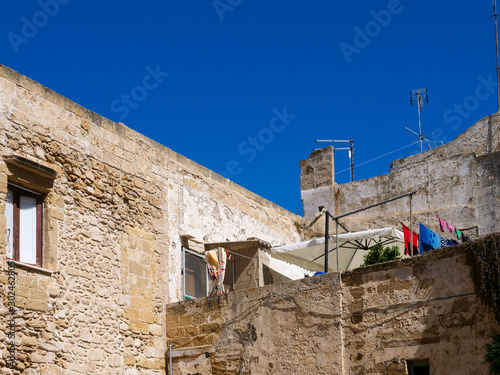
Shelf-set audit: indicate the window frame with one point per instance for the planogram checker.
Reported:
(16, 251)
(185, 250)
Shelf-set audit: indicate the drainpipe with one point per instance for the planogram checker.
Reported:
(170, 346)
(327, 219)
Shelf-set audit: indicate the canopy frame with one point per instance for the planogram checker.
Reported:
(336, 218)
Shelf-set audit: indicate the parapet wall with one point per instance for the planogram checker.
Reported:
(458, 181)
(113, 220)
(372, 320)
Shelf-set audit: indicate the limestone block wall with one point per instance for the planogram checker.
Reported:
(263, 328)
(113, 220)
(457, 181)
(372, 321)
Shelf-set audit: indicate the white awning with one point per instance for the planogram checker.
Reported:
(352, 246)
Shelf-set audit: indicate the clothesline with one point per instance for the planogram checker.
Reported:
(427, 239)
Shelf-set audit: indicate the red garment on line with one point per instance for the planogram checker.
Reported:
(406, 233)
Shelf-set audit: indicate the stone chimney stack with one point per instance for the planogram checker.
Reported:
(316, 182)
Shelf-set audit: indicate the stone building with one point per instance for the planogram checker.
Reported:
(459, 181)
(95, 217)
(387, 319)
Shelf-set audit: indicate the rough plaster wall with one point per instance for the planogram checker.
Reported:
(457, 181)
(262, 325)
(317, 170)
(488, 192)
(451, 332)
(419, 308)
(123, 201)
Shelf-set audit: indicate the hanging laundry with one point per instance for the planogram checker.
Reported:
(217, 268)
(451, 228)
(465, 238)
(444, 242)
(406, 232)
(429, 240)
(442, 224)
(458, 233)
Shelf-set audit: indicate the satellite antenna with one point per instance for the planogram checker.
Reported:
(351, 150)
(418, 96)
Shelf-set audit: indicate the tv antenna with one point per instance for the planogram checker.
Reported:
(420, 136)
(419, 95)
(351, 150)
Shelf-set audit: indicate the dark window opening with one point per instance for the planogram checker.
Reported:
(419, 367)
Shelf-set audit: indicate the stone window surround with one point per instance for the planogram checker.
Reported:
(18, 228)
(39, 178)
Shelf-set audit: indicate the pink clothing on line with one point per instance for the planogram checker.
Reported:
(451, 228)
(442, 224)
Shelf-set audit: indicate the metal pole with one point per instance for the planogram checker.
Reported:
(337, 242)
(419, 123)
(411, 228)
(373, 205)
(498, 82)
(327, 220)
(496, 38)
(170, 358)
(352, 160)
(219, 254)
(234, 271)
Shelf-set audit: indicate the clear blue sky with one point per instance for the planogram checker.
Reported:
(246, 87)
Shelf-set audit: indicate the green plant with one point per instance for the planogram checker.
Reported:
(379, 254)
(493, 355)
(298, 226)
(483, 257)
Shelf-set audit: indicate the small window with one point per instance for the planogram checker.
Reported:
(419, 367)
(23, 212)
(195, 275)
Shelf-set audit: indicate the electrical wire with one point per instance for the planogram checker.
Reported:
(378, 157)
(226, 323)
(360, 313)
(254, 307)
(339, 312)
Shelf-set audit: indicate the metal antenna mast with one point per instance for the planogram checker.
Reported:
(351, 150)
(419, 95)
(498, 81)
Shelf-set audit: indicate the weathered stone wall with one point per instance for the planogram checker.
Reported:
(371, 322)
(113, 221)
(457, 181)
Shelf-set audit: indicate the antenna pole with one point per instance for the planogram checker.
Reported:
(419, 95)
(351, 151)
(419, 122)
(498, 81)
